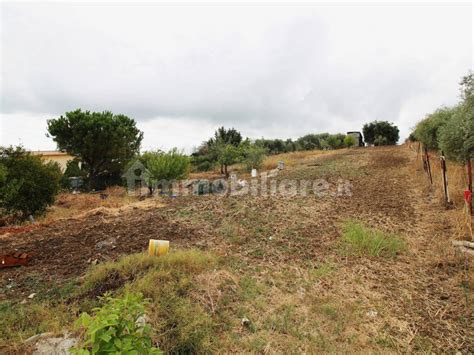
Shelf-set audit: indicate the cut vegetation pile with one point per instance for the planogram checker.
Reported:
(374, 271)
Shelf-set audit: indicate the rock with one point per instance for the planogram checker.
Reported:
(48, 345)
(36, 337)
(31, 296)
(142, 321)
(372, 313)
(106, 243)
(245, 322)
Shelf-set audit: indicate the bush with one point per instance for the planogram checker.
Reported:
(381, 133)
(456, 137)
(169, 166)
(29, 184)
(349, 141)
(254, 156)
(427, 131)
(359, 240)
(114, 327)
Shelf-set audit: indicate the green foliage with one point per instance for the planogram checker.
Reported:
(456, 138)
(228, 154)
(226, 136)
(214, 150)
(427, 131)
(335, 141)
(114, 327)
(29, 184)
(381, 133)
(349, 141)
(72, 170)
(165, 166)
(451, 129)
(253, 156)
(180, 324)
(276, 146)
(359, 240)
(104, 142)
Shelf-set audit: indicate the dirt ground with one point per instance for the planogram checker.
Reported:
(419, 300)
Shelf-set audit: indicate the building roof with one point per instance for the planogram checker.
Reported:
(48, 152)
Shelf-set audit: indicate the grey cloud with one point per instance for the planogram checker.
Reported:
(298, 69)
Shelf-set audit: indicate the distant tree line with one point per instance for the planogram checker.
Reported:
(106, 145)
(451, 129)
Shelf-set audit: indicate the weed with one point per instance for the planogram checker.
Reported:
(115, 327)
(360, 240)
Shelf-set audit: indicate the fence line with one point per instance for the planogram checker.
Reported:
(467, 198)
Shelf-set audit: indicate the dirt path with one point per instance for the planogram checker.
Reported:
(419, 301)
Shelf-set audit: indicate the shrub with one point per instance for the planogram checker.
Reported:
(254, 156)
(427, 131)
(381, 133)
(172, 165)
(456, 138)
(349, 141)
(29, 184)
(359, 240)
(114, 327)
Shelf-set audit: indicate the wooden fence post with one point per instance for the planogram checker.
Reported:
(445, 178)
(469, 178)
(428, 166)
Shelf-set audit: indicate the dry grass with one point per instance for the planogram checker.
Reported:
(296, 158)
(457, 184)
(68, 205)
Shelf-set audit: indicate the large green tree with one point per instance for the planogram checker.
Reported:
(104, 142)
(381, 133)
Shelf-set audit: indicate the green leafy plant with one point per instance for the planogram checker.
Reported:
(114, 328)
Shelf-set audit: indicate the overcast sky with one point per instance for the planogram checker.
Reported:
(271, 71)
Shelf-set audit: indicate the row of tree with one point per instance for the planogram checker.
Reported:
(451, 129)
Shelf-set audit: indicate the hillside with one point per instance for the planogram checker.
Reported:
(263, 273)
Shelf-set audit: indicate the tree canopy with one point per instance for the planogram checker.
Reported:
(381, 133)
(28, 184)
(104, 142)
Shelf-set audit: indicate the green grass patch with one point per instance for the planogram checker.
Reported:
(358, 239)
(21, 321)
